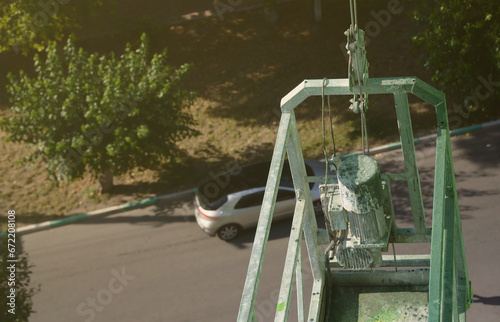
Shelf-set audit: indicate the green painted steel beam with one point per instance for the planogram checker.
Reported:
(391, 85)
(448, 294)
(310, 227)
(315, 308)
(246, 311)
(299, 175)
(410, 162)
(437, 241)
(463, 297)
(294, 243)
(413, 277)
(449, 288)
(301, 314)
(427, 93)
(401, 261)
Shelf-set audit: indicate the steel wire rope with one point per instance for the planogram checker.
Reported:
(354, 28)
(331, 247)
(331, 126)
(323, 128)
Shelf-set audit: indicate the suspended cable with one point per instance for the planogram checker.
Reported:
(331, 126)
(355, 15)
(364, 134)
(323, 127)
(359, 103)
(352, 12)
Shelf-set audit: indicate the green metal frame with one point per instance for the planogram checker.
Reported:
(449, 286)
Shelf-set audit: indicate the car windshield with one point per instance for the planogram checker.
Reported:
(213, 193)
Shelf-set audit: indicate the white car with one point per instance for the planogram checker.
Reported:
(231, 202)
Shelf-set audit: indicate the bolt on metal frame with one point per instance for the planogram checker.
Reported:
(449, 286)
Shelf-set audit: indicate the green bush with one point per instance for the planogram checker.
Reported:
(99, 113)
(23, 291)
(461, 46)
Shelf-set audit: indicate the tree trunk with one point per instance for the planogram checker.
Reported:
(105, 179)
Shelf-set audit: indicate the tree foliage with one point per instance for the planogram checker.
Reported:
(23, 290)
(461, 45)
(28, 24)
(99, 112)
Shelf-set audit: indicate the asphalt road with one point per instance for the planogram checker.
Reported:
(155, 264)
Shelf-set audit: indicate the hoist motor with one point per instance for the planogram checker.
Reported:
(358, 210)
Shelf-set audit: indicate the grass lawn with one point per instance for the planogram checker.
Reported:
(242, 67)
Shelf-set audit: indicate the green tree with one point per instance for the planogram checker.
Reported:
(461, 45)
(29, 24)
(99, 113)
(23, 290)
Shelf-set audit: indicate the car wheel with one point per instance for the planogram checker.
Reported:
(318, 208)
(229, 232)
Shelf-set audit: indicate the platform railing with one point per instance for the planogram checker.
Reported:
(304, 224)
(449, 287)
(450, 293)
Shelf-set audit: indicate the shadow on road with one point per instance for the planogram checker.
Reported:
(279, 229)
(481, 147)
(494, 300)
(164, 212)
(155, 221)
(181, 209)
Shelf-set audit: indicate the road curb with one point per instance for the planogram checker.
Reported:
(150, 201)
(425, 139)
(97, 213)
